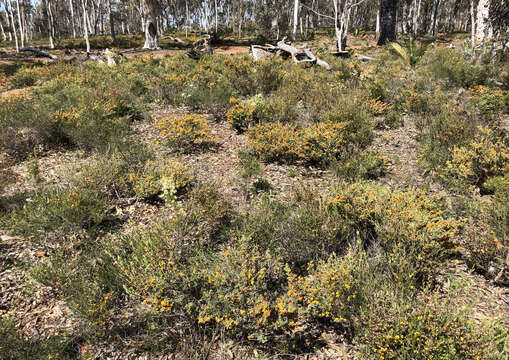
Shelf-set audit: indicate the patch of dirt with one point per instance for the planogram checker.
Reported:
(399, 146)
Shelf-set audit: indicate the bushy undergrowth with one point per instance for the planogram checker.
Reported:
(277, 271)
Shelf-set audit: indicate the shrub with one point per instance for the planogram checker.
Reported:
(484, 157)
(408, 225)
(297, 231)
(431, 328)
(66, 111)
(52, 209)
(241, 116)
(168, 179)
(316, 144)
(443, 63)
(188, 132)
(14, 345)
(490, 102)
(441, 131)
(367, 165)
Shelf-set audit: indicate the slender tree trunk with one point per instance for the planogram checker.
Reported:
(483, 27)
(85, 25)
(13, 28)
(4, 37)
(433, 25)
(112, 22)
(215, 8)
(387, 21)
(151, 8)
(295, 19)
(20, 25)
(47, 5)
(72, 19)
(473, 25)
(7, 20)
(377, 28)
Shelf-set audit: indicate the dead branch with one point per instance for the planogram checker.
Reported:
(300, 54)
(39, 52)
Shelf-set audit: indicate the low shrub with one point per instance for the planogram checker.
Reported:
(52, 209)
(168, 179)
(188, 132)
(428, 328)
(316, 144)
(409, 226)
(486, 156)
(444, 63)
(490, 102)
(368, 165)
(443, 130)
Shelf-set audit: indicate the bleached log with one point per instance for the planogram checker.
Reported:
(364, 57)
(39, 52)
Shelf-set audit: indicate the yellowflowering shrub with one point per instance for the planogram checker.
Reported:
(188, 132)
(241, 116)
(409, 225)
(486, 156)
(333, 290)
(240, 293)
(430, 328)
(244, 114)
(490, 102)
(319, 143)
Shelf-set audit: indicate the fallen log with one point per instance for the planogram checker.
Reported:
(200, 48)
(39, 52)
(175, 39)
(301, 54)
(364, 57)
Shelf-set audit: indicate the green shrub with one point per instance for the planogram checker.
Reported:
(367, 165)
(487, 155)
(13, 345)
(443, 63)
(430, 328)
(441, 131)
(317, 144)
(51, 209)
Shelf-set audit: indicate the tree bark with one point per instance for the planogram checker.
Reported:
(112, 23)
(151, 9)
(295, 19)
(483, 31)
(72, 19)
(85, 25)
(387, 21)
(20, 25)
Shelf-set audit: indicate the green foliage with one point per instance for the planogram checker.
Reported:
(428, 328)
(51, 209)
(15, 346)
(443, 63)
(410, 52)
(487, 155)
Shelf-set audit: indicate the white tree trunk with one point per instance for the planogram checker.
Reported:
(72, 19)
(473, 24)
(151, 8)
(295, 19)
(20, 25)
(14, 28)
(484, 31)
(85, 25)
(4, 37)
